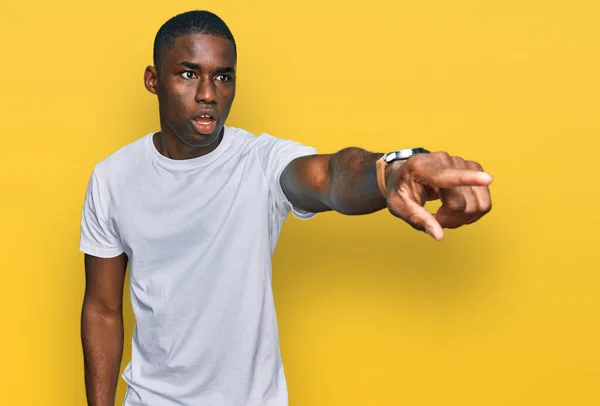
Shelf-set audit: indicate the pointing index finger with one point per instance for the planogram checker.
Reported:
(454, 177)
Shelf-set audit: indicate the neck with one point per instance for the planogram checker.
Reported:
(169, 145)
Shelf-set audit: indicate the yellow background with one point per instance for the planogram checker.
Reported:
(504, 312)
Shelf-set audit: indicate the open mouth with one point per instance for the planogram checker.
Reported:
(204, 123)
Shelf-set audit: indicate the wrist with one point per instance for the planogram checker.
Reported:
(385, 172)
(392, 168)
(391, 163)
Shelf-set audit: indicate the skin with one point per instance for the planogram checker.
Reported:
(102, 327)
(197, 75)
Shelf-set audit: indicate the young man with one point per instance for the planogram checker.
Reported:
(196, 210)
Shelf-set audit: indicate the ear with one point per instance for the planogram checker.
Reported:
(150, 79)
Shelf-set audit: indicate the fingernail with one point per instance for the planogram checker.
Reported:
(486, 176)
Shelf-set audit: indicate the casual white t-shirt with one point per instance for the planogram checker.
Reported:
(199, 235)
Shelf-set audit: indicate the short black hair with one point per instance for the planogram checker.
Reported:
(190, 22)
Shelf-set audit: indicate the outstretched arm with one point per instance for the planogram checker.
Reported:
(346, 182)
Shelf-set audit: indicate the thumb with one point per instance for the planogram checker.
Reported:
(417, 217)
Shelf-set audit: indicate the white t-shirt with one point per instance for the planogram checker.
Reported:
(199, 235)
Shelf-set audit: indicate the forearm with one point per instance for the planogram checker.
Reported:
(353, 182)
(102, 341)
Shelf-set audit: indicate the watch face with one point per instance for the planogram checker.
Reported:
(404, 154)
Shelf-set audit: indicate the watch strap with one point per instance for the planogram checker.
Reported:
(381, 165)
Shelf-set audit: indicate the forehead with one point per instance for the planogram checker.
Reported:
(203, 49)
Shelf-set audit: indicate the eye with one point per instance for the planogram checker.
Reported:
(223, 78)
(188, 74)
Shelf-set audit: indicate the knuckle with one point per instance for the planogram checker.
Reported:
(458, 162)
(417, 162)
(472, 209)
(486, 208)
(457, 204)
(418, 158)
(474, 165)
(444, 157)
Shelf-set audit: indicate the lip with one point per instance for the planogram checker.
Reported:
(202, 127)
(206, 111)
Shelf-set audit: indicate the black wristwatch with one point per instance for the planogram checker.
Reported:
(402, 154)
(386, 159)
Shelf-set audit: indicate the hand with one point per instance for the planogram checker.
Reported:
(461, 185)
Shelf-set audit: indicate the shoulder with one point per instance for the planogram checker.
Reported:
(123, 160)
(245, 143)
(265, 144)
(242, 140)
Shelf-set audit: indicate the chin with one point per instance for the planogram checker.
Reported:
(198, 140)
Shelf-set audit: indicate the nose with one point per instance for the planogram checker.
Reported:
(206, 92)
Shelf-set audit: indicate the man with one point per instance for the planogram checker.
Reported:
(196, 209)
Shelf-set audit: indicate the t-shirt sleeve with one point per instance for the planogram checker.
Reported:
(98, 237)
(276, 154)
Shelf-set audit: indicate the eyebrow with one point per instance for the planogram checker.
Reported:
(225, 70)
(196, 66)
(190, 65)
